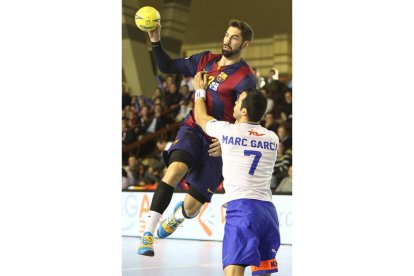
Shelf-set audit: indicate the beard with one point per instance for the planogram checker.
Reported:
(231, 53)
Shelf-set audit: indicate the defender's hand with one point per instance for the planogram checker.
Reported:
(155, 35)
(215, 148)
(200, 81)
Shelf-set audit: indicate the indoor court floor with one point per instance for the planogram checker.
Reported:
(175, 257)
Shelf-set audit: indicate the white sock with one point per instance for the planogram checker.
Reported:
(151, 221)
(179, 213)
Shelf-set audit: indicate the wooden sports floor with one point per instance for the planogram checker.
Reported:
(175, 257)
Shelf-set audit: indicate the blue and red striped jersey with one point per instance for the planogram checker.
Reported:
(225, 83)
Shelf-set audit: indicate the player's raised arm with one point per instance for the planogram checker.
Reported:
(166, 64)
(200, 110)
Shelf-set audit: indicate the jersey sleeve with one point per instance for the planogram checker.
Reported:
(188, 66)
(216, 128)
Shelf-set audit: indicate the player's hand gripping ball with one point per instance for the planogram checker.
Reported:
(147, 18)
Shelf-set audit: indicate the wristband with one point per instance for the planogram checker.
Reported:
(200, 93)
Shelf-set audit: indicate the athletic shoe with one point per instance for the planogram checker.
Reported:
(170, 224)
(146, 245)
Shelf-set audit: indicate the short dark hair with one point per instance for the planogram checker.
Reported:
(246, 31)
(256, 103)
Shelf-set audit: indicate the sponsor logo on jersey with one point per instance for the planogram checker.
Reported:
(209, 190)
(222, 77)
(214, 85)
(254, 133)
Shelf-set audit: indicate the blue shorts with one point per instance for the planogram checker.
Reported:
(251, 235)
(205, 172)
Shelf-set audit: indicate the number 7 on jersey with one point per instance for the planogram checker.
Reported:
(257, 155)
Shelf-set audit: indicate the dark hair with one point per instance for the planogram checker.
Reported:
(246, 30)
(255, 103)
(161, 139)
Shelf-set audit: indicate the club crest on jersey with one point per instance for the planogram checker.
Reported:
(222, 77)
(255, 133)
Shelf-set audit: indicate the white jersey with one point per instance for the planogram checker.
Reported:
(249, 152)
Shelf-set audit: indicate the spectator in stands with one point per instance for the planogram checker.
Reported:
(140, 172)
(141, 102)
(285, 185)
(186, 94)
(128, 134)
(133, 107)
(259, 80)
(157, 95)
(172, 97)
(132, 117)
(284, 137)
(151, 176)
(158, 120)
(283, 161)
(271, 80)
(286, 106)
(145, 119)
(159, 101)
(184, 109)
(133, 100)
(275, 86)
(169, 79)
(132, 124)
(270, 122)
(131, 170)
(270, 101)
(127, 108)
(189, 82)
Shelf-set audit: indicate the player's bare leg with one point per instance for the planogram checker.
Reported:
(187, 209)
(191, 206)
(175, 173)
(237, 270)
(234, 270)
(160, 201)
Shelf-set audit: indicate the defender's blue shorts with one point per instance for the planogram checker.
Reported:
(251, 235)
(205, 172)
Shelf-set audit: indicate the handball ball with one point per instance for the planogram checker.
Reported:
(147, 18)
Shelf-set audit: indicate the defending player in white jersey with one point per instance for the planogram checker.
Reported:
(249, 151)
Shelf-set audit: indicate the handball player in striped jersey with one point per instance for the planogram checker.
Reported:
(194, 154)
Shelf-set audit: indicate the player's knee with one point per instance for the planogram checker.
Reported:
(181, 157)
